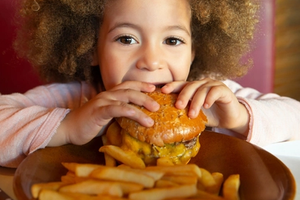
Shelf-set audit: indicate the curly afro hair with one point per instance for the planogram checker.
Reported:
(59, 37)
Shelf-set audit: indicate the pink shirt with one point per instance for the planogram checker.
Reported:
(29, 120)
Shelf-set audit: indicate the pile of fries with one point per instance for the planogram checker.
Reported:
(125, 176)
(95, 182)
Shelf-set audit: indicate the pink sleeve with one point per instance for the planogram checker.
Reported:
(273, 118)
(29, 120)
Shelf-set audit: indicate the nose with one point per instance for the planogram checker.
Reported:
(151, 58)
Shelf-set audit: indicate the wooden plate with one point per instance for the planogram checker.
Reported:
(263, 176)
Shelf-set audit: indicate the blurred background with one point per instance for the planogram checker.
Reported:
(276, 55)
(287, 51)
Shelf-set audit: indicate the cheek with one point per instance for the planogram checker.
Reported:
(181, 68)
(111, 72)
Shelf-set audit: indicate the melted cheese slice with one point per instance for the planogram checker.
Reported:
(178, 153)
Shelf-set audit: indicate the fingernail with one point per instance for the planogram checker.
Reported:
(155, 105)
(179, 104)
(165, 86)
(149, 121)
(192, 113)
(151, 86)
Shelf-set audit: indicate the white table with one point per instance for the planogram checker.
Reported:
(287, 152)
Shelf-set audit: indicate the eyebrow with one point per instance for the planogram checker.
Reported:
(130, 25)
(125, 24)
(177, 27)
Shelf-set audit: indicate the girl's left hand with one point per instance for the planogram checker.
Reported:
(220, 105)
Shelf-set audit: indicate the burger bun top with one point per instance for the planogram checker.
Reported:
(170, 124)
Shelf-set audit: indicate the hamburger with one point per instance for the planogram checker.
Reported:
(174, 135)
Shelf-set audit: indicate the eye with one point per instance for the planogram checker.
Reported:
(126, 40)
(173, 41)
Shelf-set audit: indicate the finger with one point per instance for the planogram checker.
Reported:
(195, 92)
(129, 96)
(135, 85)
(205, 96)
(173, 87)
(198, 101)
(124, 110)
(216, 93)
(188, 93)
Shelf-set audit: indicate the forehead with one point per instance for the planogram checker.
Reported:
(147, 9)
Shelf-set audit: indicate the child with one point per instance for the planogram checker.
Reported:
(108, 53)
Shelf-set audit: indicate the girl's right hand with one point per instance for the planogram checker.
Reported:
(84, 123)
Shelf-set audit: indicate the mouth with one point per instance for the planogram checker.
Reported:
(159, 86)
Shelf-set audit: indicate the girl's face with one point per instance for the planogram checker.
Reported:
(145, 40)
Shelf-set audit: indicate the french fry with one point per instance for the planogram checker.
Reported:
(113, 134)
(188, 170)
(186, 180)
(207, 180)
(70, 179)
(107, 197)
(109, 161)
(156, 175)
(70, 173)
(70, 166)
(205, 195)
(128, 187)
(165, 193)
(231, 187)
(81, 169)
(79, 196)
(54, 195)
(219, 180)
(119, 174)
(94, 187)
(202, 195)
(165, 183)
(164, 161)
(38, 187)
(200, 186)
(124, 166)
(124, 157)
(84, 170)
